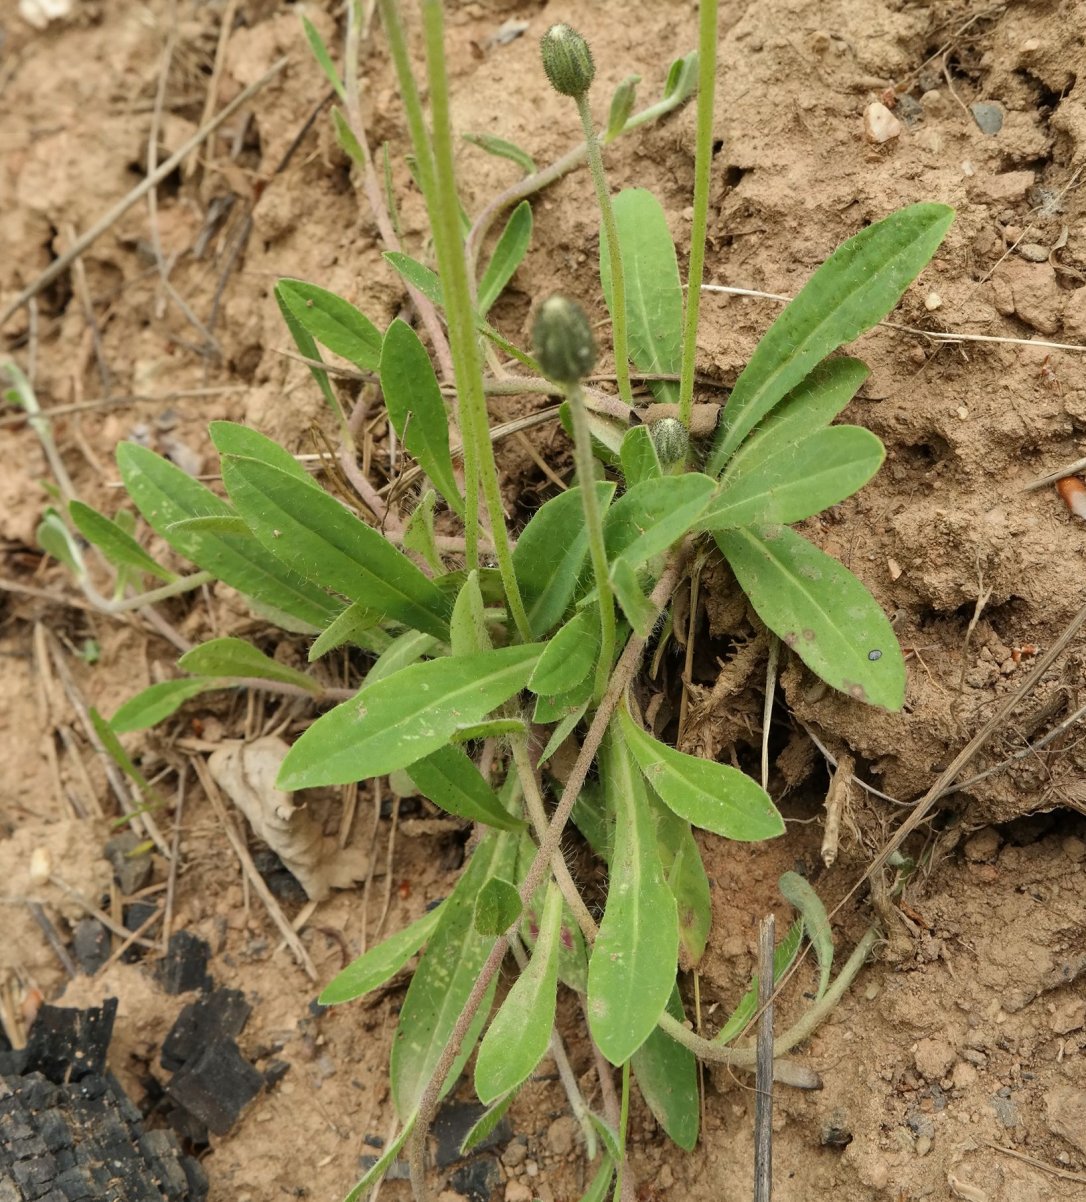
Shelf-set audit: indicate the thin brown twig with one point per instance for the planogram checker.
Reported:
(763, 1073)
(95, 912)
(113, 215)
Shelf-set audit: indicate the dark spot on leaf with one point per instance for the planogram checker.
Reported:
(809, 635)
(874, 655)
(791, 638)
(857, 691)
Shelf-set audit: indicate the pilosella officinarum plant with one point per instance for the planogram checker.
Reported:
(487, 661)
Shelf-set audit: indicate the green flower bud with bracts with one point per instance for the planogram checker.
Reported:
(670, 439)
(567, 60)
(563, 340)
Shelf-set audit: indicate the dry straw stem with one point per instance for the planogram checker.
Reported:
(933, 335)
(60, 265)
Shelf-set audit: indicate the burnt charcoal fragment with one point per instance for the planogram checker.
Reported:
(83, 1142)
(478, 1179)
(451, 1126)
(184, 967)
(68, 1045)
(220, 1014)
(216, 1086)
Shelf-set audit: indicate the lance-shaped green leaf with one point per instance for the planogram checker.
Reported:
(236, 657)
(820, 610)
(686, 878)
(852, 291)
(508, 255)
(638, 609)
(165, 496)
(569, 656)
(550, 554)
(600, 1185)
(714, 796)
(57, 540)
(333, 322)
(157, 702)
(417, 274)
(561, 732)
(814, 402)
(381, 963)
(667, 1075)
(403, 718)
(376, 1172)
(417, 409)
(467, 627)
(783, 956)
(444, 978)
(497, 907)
(307, 345)
(116, 544)
(632, 970)
(450, 780)
(487, 1123)
(622, 103)
(640, 461)
(503, 149)
(404, 650)
(419, 534)
(652, 515)
(520, 1033)
(682, 77)
(356, 625)
(232, 438)
(311, 532)
(802, 478)
(816, 921)
(654, 293)
(324, 59)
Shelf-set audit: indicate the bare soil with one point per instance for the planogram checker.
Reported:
(958, 1063)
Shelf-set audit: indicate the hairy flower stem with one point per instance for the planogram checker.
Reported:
(610, 230)
(593, 520)
(622, 1176)
(479, 463)
(703, 157)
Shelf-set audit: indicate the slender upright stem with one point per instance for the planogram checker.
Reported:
(703, 157)
(610, 231)
(593, 520)
(621, 1175)
(434, 155)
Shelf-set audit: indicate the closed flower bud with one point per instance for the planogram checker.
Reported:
(563, 340)
(670, 439)
(567, 60)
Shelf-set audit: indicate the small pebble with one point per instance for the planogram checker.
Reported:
(932, 301)
(880, 125)
(963, 413)
(517, 1191)
(1034, 252)
(531, 1169)
(933, 103)
(989, 117)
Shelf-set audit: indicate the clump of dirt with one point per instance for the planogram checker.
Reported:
(954, 1067)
